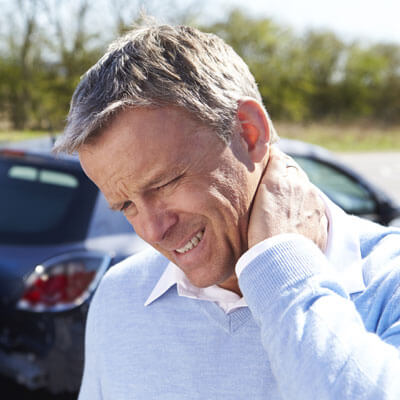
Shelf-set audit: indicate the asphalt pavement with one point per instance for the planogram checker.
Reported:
(380, 168)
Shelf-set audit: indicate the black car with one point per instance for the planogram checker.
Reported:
(58, 237)
(352, 192)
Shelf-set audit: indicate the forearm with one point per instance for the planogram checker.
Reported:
(315, 339)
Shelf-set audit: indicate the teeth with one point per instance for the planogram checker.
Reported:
(192, 243)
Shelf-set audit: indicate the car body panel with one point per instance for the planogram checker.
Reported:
(45, 349)
(383, 208)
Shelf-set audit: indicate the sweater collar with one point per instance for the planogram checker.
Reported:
(342, 251)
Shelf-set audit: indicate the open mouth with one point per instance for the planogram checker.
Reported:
(192, 243)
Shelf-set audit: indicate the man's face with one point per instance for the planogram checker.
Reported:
(183, 190)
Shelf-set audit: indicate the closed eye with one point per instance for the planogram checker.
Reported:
(125, 205)
(169, 183)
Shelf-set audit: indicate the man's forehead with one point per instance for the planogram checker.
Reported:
(147, 151)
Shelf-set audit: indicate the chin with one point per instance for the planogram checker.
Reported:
(222, 280)
(200, 282)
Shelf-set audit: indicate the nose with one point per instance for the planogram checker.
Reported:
(153, 223)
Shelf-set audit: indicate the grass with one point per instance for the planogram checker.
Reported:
(336, 137)
(356, 138)
(13, 136)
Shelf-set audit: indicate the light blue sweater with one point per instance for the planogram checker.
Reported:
(300, 338)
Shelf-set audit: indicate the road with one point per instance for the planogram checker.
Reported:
(382, 169)
(11, 391)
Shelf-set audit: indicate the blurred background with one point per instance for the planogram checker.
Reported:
(329, 72)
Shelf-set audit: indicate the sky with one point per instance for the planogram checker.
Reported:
(372, 20)
(368, 20)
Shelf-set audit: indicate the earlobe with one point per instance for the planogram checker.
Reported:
(255, 129)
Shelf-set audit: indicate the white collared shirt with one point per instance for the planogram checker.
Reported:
(342, 251)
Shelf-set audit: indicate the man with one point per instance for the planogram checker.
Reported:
(258, 286)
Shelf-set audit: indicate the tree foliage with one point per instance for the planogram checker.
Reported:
(302, 77)
(316, 76)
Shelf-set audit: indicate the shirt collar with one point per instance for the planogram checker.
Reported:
(172, 275)
(343, 248)
(342, 251)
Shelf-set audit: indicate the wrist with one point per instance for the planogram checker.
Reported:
(262, 246)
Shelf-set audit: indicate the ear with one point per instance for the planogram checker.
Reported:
(255, 128)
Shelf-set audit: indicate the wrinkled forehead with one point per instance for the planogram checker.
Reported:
(144, 140)
(164, 120)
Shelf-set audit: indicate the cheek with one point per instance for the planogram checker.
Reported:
(221, 199)
(232, 192)
(192, 198)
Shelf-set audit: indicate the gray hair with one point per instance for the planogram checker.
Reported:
(158, 66)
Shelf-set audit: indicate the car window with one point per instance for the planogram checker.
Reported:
(40, 204)
(349, 194)
(29, 173)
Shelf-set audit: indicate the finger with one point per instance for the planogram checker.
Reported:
(280, 164)
(292, 167)
(277, 162)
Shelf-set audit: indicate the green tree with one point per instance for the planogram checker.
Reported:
(19, 61)
(74, 49)
(322, 54)
(266, 48)
(386, 99)
(364, 72)
(46, 45)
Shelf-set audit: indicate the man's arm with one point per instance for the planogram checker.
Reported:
(315, 338)
(316, 341)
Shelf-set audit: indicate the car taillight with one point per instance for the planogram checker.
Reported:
(63, 282)
(12, 153)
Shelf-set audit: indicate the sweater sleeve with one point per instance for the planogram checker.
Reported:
(316, 341)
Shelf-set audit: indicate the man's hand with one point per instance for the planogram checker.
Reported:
(286, 202)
